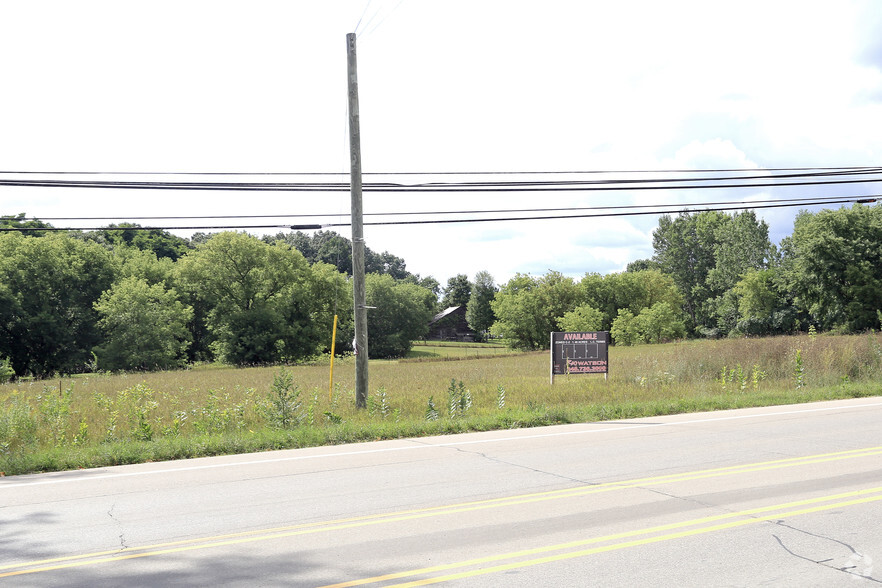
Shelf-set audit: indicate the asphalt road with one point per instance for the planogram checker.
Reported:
(783, 496)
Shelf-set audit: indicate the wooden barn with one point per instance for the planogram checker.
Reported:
(450, 325)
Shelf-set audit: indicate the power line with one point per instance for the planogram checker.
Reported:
(499, 187)
(447, 173)
(743, 206)
(769, 181)
(188, 228)
(603, 215)
(829, 200)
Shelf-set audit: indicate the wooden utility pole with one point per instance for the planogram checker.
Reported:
(358, 290)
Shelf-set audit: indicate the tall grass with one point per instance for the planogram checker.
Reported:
(103, 419)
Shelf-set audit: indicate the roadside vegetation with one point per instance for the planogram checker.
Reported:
(713, 320)
(104, 419)
(129, 298)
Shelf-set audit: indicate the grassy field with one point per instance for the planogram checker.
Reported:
(106, 419)
(450, 351)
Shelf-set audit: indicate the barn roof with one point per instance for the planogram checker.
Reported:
(446, 312)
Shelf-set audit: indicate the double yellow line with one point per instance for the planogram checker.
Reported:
(613, 542)
(86, 559)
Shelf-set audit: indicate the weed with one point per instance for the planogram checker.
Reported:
(379, 404)
(203, 411)
(534, 406)
(105, 405)
(282, 406)
(177, 424)
(6, 371)
(459, 399)
(54, 412)
(141, 405)
(875, 348)
(92, 364)
(18, 427)
(240, 409)
(757, 375)
(82, 436)
(431, 411)
(741, 378)
(799, 370)
(310, 410)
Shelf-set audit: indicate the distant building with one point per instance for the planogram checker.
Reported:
(450, 325)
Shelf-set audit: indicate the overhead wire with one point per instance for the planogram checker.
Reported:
(363, 12)
(796, 201)
(742, 206)
(499, 187)
(806, 178)
(601, 215)
(449, 173)
(369, 32)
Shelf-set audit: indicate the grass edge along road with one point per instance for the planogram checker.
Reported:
(549, 553)
(99, 420)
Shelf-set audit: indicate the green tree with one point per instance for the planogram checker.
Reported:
(330, 294)
(832, 266)
(401, 315)
(527, 309)
(741, 244)
(384, 263)
(457, 292)
(162, 243)
(429, 283)
(479, 312)
(145, 326)
(331, 247)
(625, 329)
(631, 290)
(757, 293)
(706, 253)
(758, 306)
(258, 295)
(581, 318)
(143, 263)
(660, 323)
(20, 221)
(684, 249)
(49, 287)
(639, 265)
(656, 324)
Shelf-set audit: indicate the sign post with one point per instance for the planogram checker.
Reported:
(580, 353)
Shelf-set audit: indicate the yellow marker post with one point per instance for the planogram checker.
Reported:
(333, 347)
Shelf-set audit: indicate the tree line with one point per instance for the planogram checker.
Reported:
(126, 298)
(715, 275)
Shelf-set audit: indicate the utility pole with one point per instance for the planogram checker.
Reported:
(358, 291)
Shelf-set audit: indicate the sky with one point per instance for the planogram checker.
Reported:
(256, 87)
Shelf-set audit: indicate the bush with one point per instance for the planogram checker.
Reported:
(625, 330)
(582, 318)
(146, 326)
(6, 371)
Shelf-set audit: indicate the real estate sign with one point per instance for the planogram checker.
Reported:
(579, 353)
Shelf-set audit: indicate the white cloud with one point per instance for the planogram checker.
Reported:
(453, 86)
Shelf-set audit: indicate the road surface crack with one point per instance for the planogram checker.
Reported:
(122, 537)
(686, 499)
(521, 466)
(859, 566)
